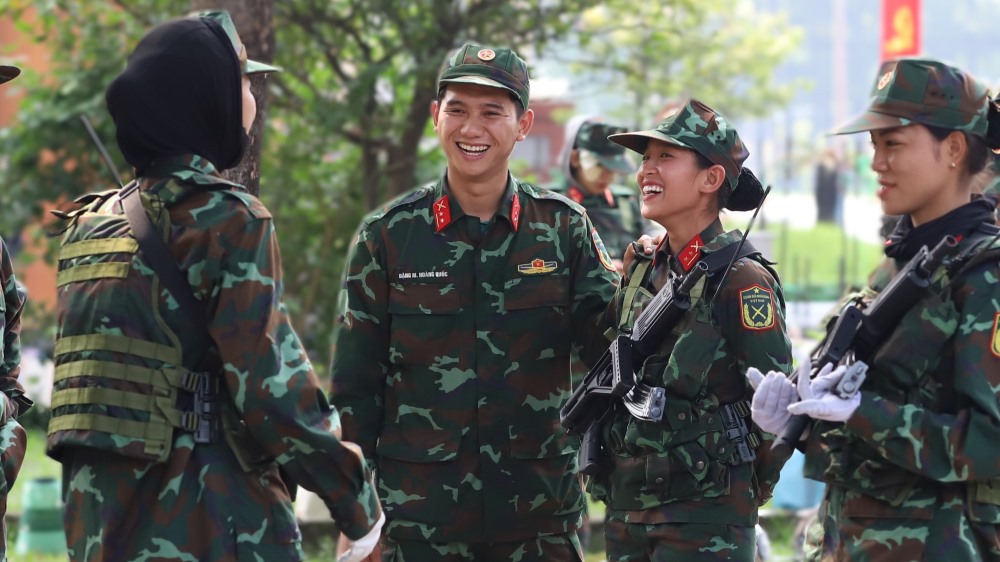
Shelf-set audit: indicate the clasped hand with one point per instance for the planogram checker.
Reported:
(774, 399)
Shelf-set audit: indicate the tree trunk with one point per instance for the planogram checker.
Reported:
(253, 21)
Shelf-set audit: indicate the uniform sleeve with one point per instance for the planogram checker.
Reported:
(959, 445)
(273, 385)
(10, 328)
(361, 340)
(751, 312)
(594, 284)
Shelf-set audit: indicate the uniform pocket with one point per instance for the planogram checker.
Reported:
(423, 318)
(540, 306)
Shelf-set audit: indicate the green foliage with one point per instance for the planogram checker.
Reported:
(348, 119)
(719, 51)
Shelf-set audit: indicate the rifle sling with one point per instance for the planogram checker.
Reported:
(716, 262)
(158, 255)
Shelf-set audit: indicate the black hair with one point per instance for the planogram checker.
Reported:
(747, 194)
(980, 147)
(517, 101)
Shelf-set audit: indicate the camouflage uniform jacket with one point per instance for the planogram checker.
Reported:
(921, 445)
(198, 503)
(13, 439)
(682, 469)
(615, 213)
(453, 359)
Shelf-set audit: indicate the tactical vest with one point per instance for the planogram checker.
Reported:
(121, 384)
(634, 297)
(700, 440)
(909, 368)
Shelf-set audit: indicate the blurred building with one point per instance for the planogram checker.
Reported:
(30, 265)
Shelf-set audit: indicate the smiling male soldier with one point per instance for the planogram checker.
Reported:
(461, 301)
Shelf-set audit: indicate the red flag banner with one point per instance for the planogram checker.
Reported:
(900, 28)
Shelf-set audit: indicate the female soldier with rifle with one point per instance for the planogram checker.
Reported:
(684, 481)
(909, 454)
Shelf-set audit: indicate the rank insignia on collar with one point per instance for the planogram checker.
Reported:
(690, 254)
(575, 194)
(442, 213)
(537, 267)
(995, 336)
(757, 308)
(515, 212)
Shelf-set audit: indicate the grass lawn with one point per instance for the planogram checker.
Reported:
(818, 263)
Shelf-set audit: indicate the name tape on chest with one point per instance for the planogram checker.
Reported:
(422, 275)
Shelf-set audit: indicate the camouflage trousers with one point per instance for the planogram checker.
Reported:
(544, 548)
(13, 445)
(948, 534)
(678, 542)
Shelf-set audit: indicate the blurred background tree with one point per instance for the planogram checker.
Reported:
(347, 121)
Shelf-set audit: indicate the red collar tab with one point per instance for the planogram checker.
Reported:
(575, 194)
(515, 212)
(690, 254)
(442, 213)
(609, 197)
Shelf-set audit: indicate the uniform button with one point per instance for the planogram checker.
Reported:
(722, 450)
(659, 480)
(711, 420)
(699, 465)
(682, 416)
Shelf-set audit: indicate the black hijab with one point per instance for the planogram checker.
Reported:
(180, 93)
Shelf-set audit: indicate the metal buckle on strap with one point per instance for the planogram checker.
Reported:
(191, 380)
(190, 421)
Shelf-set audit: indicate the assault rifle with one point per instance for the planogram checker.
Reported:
(613, 376)
(858, 333)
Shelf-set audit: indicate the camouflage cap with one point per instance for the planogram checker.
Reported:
(226, 22)
(8, 73)
(700, 128)
(487, 66)
(923, 91)
(593, 137)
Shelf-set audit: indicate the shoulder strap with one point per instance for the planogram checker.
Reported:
(155, 250)
(716, 262)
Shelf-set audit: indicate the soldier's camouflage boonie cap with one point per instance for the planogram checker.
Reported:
(487, 66)
(226, 22)
(593, 137)
(8, 73)
(924, 91)
(697, 127)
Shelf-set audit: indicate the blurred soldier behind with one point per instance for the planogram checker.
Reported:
(180, 384)
(13, 402)
(591, 166)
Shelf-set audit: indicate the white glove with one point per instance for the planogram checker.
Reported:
(365, 545)
(818, 402)
(771, 398)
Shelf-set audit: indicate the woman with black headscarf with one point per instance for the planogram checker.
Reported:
(175, 401)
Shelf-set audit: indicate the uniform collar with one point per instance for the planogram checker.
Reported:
(581, 197)
(188, 169)
(446, 210)
(705, 242)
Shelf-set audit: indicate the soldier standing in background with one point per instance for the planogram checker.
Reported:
(591, 164)
(462, 299)
(176, 397)
(13, 401)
